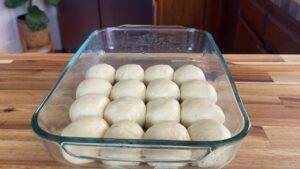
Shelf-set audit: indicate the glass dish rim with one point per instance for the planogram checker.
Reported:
(83, 140)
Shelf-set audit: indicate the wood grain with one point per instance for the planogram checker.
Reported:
(254, 15)
(245, 34)
(115, 12)
(266, 26)
(189, 13)
(269, 86)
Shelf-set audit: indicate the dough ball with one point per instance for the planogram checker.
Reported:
(130, 71)
(208, 130)
(123, 130)
(102, 71)
(193, 110)
(158, 72)
(188, 72)
(125, 108)
(160, 110)
(218, 158)
(211, 130)
(198, 89)
(88, 105)
(162, 88)
(133, 88)
(167, 131)
(84, 127)
(93, 86)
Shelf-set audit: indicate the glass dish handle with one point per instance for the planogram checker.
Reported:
(127, 153)
(152, 26)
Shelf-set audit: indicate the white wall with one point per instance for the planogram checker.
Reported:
(9, 36)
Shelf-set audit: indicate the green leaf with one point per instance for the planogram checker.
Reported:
(53, 2)
(14, 3)
(36, 19)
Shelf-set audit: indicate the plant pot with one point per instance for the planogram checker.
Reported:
(34, 41)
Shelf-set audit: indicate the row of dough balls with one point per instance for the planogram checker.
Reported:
(155, 111)
(128, 112)
(202, 130)
(159, 88)
(134, 71)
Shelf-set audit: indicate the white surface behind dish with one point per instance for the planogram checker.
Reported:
(10, 41)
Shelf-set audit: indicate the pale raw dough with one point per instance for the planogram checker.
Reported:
(160, 110)
(167, 131)
(219, 157)
(198, 89)
(93, 86)
(162, 88)
(208, 130)
(188, 72)
(130, 71)
(158, 72)
(133, 88)
(88, 105)
(193, 110)
(102, 71)
(211, 130)
(91, 126)
(125, 108)
(123, 130)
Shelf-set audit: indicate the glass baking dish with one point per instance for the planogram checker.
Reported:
(144, 45)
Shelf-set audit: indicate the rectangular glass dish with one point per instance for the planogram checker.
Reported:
(146, 46)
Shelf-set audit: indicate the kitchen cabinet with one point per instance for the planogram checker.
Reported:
(246, 34)
(218, 17)
(265, 27)
(116, 12)
(77, 21)
(79, 18)
(188, 13)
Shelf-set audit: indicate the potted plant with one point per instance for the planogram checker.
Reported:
(34, 34)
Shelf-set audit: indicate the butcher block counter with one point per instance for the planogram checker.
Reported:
(269, 86)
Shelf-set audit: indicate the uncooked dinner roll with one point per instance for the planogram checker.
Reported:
(158, 72)
(193, 110)
(188, 72)
(93, 86)
(198, 89)
(125, 108)
(88, 105)
(130, 71)
(210, 130)
(167, 131)
(160, 110)
(123, 130)
(102, 71)
(132, 88)
(84, 127)
(218, 158)
(162, 88)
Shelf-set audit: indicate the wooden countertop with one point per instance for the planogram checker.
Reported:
(269, 85)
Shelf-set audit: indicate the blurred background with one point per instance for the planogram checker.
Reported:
(238, 26)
